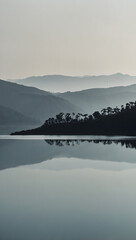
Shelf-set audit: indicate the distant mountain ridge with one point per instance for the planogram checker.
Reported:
(98, 98)
(61, 83)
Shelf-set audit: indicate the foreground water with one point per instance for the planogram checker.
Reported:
(67, 189)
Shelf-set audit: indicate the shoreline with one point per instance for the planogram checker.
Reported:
(66, 137)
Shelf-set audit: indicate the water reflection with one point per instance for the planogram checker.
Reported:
(89, 199)
(62, 143)
(15, 153)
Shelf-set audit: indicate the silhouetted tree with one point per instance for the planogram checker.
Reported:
(96, 115)
(78, 116)
(59, 117)
(68, 117)
(122, 108)
(90, 117)
(127, 106)
(104, 111)
(116, 110)
(109, 110)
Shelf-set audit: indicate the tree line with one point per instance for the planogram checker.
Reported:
(109, 121)
(79, 117)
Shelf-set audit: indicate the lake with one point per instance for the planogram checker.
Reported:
(67, 188)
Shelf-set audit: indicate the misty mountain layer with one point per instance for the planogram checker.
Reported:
(60, 83)
(95, 99)
(30, 102)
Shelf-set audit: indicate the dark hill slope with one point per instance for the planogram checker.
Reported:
(10, 117)
(33, 102)
(11, 120)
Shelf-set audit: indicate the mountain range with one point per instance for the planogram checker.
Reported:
(98, 98)
(60, 83)
(25, 107)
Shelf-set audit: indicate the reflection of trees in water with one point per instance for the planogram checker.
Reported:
(126, 143)
(61, 143)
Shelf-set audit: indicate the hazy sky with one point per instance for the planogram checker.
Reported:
(71, 37)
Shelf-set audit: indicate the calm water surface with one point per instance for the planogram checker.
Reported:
(67, 189)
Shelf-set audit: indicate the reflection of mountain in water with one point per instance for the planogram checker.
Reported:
(15, 153)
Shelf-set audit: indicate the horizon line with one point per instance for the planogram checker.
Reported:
(72, 76)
